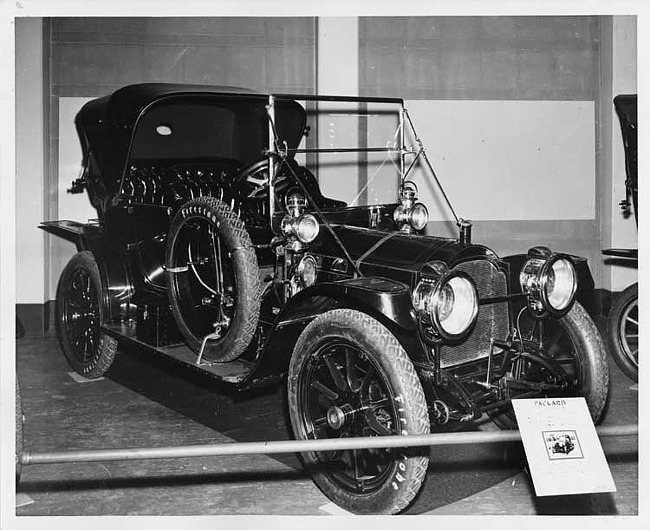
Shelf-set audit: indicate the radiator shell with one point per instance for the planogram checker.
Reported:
(493, 321)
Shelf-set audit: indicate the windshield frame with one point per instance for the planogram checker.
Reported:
(278, 149)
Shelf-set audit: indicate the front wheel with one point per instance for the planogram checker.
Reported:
(562, 358)
(350, 377)
(623, 331)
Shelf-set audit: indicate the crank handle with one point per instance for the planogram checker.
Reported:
(210, 336)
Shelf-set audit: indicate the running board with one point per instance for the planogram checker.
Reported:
(232, 372)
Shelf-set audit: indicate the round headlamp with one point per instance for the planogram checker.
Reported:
(550, 282)
(305, 227)
(448, 302)
(410, 215)
(419, 216)
(307, 271)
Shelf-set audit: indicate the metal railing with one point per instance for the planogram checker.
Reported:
(292, 446)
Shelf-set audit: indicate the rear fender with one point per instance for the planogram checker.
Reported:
(110, 259)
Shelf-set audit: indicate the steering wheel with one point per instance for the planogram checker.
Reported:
(252, 182)
(252, 191)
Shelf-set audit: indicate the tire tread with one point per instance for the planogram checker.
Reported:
(623, 300)
(229, 347)
(102, 358)
(395, 356)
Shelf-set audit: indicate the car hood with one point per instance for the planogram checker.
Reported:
(376, 252)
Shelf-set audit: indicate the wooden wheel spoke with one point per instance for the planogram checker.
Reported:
(565, 361)
(368, 378)
(318, 425)
(77, 327)
(335, 373)
(324, 391)
(75, 286)
(75, 298)
(351, 371)
(375, 425)
(356, 464)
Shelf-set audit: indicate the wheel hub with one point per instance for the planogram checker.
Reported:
(337, 416)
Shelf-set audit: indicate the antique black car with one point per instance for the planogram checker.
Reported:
(217, 249)
(623, 318)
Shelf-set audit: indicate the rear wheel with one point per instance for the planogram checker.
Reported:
(80, 315)
(350, 377)
(562, 358)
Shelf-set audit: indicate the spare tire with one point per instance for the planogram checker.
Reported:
(212, 278)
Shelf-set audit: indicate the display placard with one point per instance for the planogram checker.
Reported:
(562, 447)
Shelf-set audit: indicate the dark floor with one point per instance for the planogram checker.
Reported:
(146, 402)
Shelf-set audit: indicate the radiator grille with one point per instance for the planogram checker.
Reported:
(492, 321)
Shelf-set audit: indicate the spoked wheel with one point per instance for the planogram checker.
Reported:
(213, 278)
(252, 182)
(561, 358)
(623, 331)
(80, 314)
(252, 191)
(350, 377)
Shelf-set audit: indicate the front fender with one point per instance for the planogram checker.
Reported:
(387, 301)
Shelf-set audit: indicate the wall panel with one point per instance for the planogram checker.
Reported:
(537, 58)
(509, 160)
(92, 56)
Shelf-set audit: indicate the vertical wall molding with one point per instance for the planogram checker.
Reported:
(338, 56)
(605, 113)
(31, 170)
(338, 74)
(50, 180)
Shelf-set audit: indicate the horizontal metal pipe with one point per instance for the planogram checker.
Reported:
(347, 150)
(291, 446)
(349, 99)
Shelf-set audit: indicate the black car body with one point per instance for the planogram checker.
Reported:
(377, 328)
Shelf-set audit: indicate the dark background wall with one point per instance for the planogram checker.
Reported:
(91, 56)
(483, 58)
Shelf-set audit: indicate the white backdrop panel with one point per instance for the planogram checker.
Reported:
(75, 207)
(509, 160)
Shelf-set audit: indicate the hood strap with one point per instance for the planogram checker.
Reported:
(373, 248)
